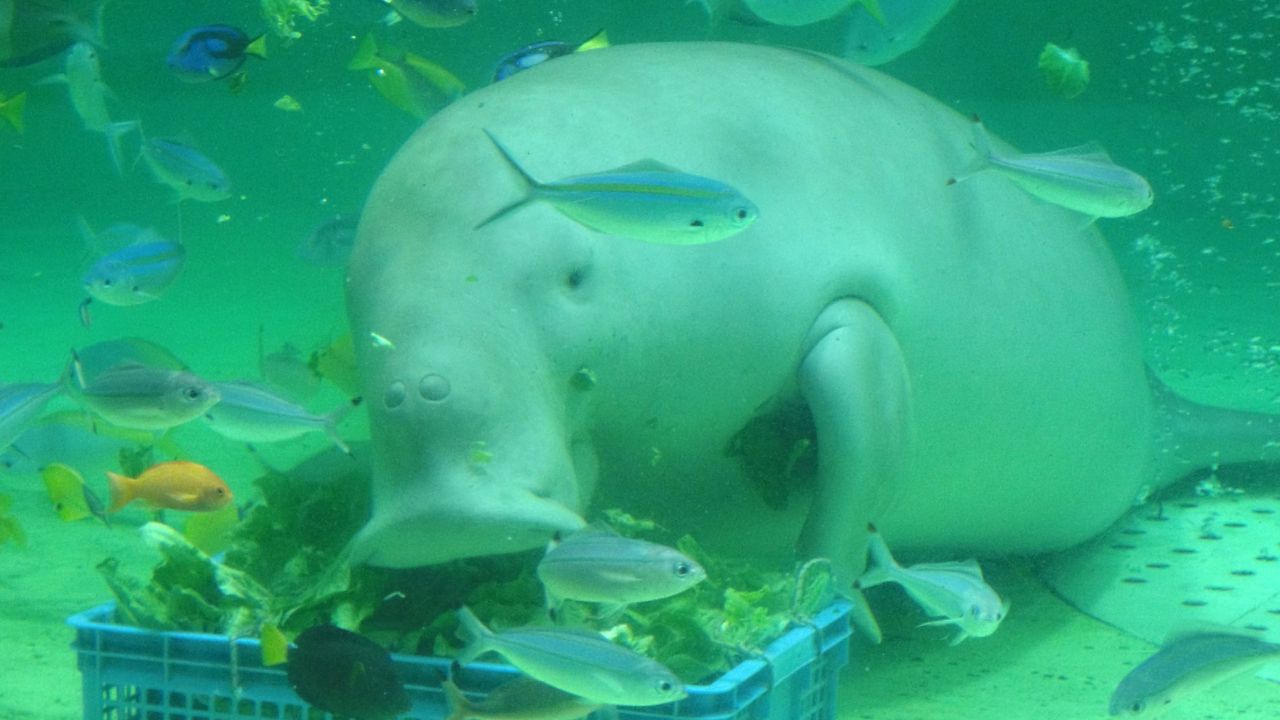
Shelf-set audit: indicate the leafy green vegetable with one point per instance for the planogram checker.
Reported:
(287, 566)
(282, 14)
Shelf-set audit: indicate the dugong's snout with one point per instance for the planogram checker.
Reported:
(465, 464)
(488, 519)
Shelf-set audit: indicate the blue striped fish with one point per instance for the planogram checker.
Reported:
(139, 271)
(644, 201)
(186, 170)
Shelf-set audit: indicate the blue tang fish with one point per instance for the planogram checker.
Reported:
(540, 52)
(212, 52)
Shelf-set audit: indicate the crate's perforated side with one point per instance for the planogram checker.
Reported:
(134, 674)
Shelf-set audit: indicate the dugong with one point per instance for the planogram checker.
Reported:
(966, 354)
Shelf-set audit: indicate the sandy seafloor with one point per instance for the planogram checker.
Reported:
(1174, 95)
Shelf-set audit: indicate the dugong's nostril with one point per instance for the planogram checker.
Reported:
(394, 395)
(433, 388)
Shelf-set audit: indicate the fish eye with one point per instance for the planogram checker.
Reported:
(741, 214)
(683, 569)
(575, 277)
(192, 393)
(665, 686)
(1138, 706)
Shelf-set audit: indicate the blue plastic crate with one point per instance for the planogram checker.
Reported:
(133, 674)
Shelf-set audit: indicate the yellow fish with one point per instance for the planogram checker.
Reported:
(420, 93)
(11, 109)
(211, 531)
(72, 499)
(337, 364)
(10, 530)
(176, 485)
(275, 646)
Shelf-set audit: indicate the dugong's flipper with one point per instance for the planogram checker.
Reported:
(855, 382)
(1204, 554)
(1200, 551)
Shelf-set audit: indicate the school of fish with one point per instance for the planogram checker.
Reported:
(124, 394)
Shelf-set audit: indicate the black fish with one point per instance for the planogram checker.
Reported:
(346, 674)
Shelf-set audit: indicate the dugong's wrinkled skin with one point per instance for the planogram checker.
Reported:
(967, 353)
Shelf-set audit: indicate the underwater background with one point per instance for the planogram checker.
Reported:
(1186, 93)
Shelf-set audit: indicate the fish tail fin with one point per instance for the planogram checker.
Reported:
(530, 183)
(332, 419)
(476, 634)
(506, 210)
(511, 160)
(114, 132)
(257, 47)
(366, 57)
(873, 9)
(882, 563)
(455, 701)
(982, 146)
(595, 42)
(90, 238)
(11, 110)
(123, 489)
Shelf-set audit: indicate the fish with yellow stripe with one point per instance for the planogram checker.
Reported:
(645, 200)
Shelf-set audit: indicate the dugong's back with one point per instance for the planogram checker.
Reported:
(1028, 398)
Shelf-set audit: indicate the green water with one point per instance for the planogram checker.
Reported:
(1188, 94)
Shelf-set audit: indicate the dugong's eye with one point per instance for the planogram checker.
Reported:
(575, 277)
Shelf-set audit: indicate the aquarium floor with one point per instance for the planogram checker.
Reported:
(1046, 660)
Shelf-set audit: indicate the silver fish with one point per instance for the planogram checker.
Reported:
(20, 405)
(953, 591)
(1187, 664)
(32, 31)
(432, 13)
(249, 412)
(287, 370)
(144, 398)
(578, 662)
(904, 25)
(330, 243)
(644, 201)
(520, 699)
(186, 170)
(602, 567)
(89, 97)
(1084, 178)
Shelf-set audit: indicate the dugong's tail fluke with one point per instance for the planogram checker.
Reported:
(1192, 436)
